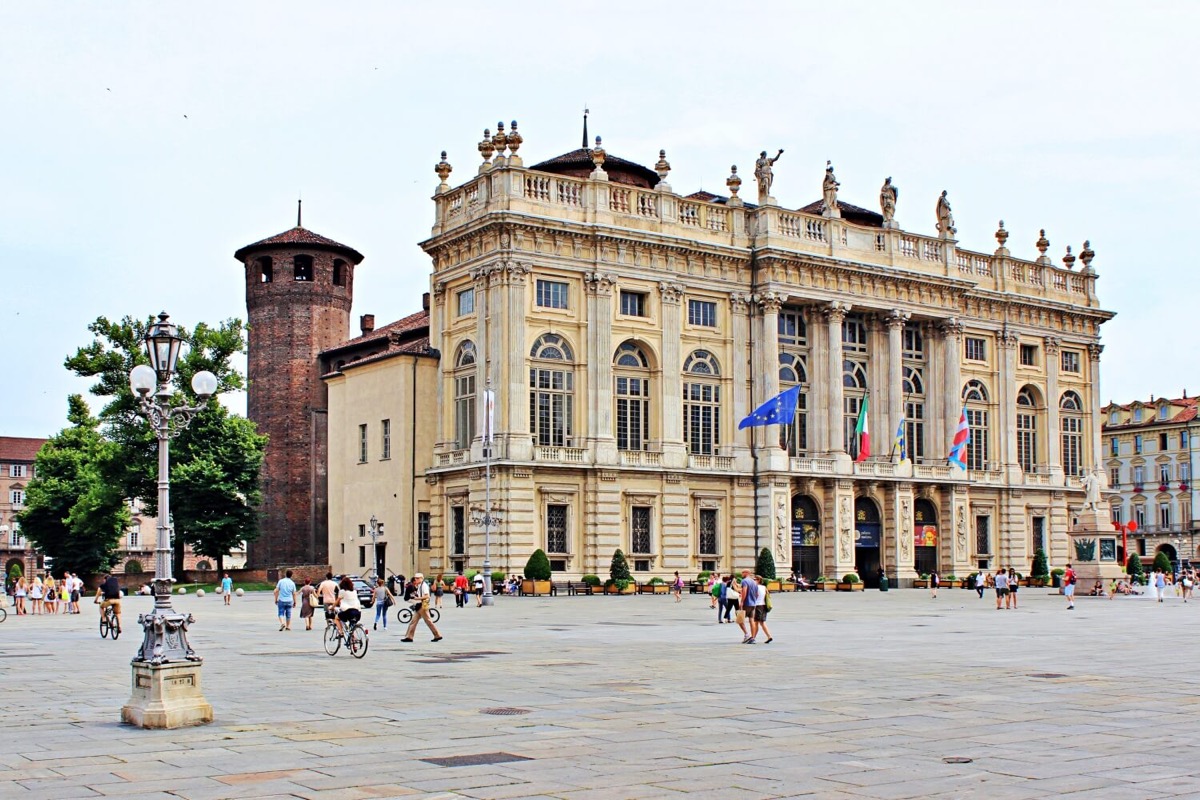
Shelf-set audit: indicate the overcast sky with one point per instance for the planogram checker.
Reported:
(143, 143)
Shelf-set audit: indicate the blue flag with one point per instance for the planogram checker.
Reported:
(779, 410)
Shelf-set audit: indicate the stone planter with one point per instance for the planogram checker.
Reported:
(788, 586)
(827, 586)
(630, 589)
(774, 586)
(653, 588)
(535, 588)
(921, 583)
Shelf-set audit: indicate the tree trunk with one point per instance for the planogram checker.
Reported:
(220, 566)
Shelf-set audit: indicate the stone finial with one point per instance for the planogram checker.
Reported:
(486, 149)
(443, 170)
(1043, 244)
(598, 154)
(499, 139)
(1068, 259)
(734, 182)
(1086, 255)
(514, 139)
(662, 166)
(1002, 236)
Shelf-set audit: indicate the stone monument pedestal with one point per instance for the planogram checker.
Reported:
(1092, 527)
(166, 696)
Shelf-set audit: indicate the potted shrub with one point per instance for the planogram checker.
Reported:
(592, 582)
(537, 574)
(1039, 574)
(1137, 573)
(922, 581)
(620, 581)
(952, 582)
(655, 585)
(826, 584)
(764, 567)
(850, 583)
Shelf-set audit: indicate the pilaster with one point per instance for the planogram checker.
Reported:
(599, 286)
(895, 322)
(674, 450)
(1092, 459)
(1008, 405)
(1053, 425)
(835, 314)
(902, 512)
(739, 304)
(843, 555)
(766, 379)
(516, 379)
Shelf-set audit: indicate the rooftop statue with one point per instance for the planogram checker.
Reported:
(829, 190)
(764, 174)
(945, 219)
(887, 202)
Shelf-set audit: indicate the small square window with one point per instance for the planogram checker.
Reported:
(641, 565)
(1070, 361)
(975, 349)
(16, 470)
(1029, 354)
(466, 302)
(551, 294)
(703, 313)
(633, 304)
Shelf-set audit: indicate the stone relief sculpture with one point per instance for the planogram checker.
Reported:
(829, 189)
(906, 530)
(960, 535)
(764, 173)
(781, 530)
(845, 532)
(887, 202)
(945, 219)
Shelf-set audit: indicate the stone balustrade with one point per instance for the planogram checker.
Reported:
(522, 191)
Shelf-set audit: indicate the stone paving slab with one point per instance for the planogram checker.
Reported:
(861, 696)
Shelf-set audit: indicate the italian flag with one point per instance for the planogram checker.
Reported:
(863, 433)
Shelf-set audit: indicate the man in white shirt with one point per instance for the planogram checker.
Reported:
(421, 610)
(478, 586)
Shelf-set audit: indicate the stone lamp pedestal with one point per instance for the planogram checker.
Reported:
(166, 696)
(1094, 532)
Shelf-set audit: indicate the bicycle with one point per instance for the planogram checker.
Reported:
(3, 614)
(110, 623)
(405, 614)
(354, 636)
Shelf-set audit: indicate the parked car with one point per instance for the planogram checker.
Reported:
(361, 588)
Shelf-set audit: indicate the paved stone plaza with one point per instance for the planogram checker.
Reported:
(860, 696)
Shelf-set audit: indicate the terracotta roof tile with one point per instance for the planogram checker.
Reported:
(411, 324)
(17, 448)
(302, 237)
(1187, 413)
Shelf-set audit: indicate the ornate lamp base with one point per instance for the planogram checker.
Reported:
(166, 696)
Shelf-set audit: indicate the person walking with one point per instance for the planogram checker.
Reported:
(1014, 583)
(384, 600)
(763, 608)
(76, 592)
(227, 589)
(285, 600)
(934, 581)
(1160, 585)
(439, 589)
(460, 590)
(37, 592)
(714, 591)
(1069, 578)
(308, 593)
(677, 587)
(20, 592)
(421, 610)
(748, 599)
(1001, 584)
(477, 582)
(980, 583)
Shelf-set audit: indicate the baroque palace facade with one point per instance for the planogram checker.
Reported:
(626, 329)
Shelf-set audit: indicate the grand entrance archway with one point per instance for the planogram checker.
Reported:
(806, 537)
(868, 535)
(925, 537)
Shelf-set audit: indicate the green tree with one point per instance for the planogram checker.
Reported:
(537, 568)
(14, 574)
(619, 569)
(765, 565)
(1137, 573)
(1041, 567)
(215, 461)
(73, 513)
(1162, 562)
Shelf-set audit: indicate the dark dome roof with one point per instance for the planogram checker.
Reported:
(850, 213)
(299, 237)
(578, 164)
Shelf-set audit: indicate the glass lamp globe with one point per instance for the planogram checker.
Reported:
(142, 379)
(204, 384)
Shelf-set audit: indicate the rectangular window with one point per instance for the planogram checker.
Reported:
(362, 531)
(1117, 516)
(458, 530)
(975, 349)
(1183, 440)
(1137, 415)
(1114, 477)
(362, 443)
(1114, 446)
(794, 437)
(633, 412)
(1027, 441)
(362, 556)
(633, 304)
(702, 312)
(134, 535)
(977, 447)
(708, 532)
(16, 470)
(854, 335)
(386, 425)
(792, 329)
(551, 407)
(1185, 473)
(16, 497)
(983, 535)
(1164, 516)
(1072, 445)
(1039, 533)
(1139, 514)
(1070, 361)
(1162, 442)
(1164, 474)
(551, 294)
(914, 343)
(702, 417)
(1137, 444)
(1139, 475)
(424, 539)
(14, 536)
(1029, 355)
(556, 528)
(1141, 543)
(914, 431)
(466, 302)
(464, 410)
(1163, 411)
(640, 541)
(641, 565)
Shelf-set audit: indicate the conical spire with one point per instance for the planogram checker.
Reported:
(585, 136)
(298, 202)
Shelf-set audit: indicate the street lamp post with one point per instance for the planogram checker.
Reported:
(373, 530)
(165, 659)
(1125, 528)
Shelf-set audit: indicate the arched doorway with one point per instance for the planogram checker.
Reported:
(9, 579)
(806, 537)
(1171, 554)
(868, 531)
(925, 537)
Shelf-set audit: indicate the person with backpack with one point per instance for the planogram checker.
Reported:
(1069, 579)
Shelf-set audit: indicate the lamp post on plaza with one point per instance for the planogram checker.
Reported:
(373, 532)
(1125, 528)
(487, 516)
(165, 658)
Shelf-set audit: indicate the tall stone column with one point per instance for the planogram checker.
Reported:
(1053, 424)
(515, 397)
(766, 379)
(1091, 460)
(600, 436)
(483, 350)
(1008, 403)
(739, 304)
(674, 451)
(952, 331)
(437, 339)
(835, 314)
(895, 322)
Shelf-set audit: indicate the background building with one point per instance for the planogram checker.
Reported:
(17, 455)
(1149, 453)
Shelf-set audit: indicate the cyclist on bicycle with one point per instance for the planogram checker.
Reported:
(109, 591)
(349, 607)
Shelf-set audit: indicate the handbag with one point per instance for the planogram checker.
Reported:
(387, 601)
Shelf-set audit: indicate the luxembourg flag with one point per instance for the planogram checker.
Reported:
(962, 437)
(862, 432)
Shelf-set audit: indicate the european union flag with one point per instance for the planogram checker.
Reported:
(779, 410)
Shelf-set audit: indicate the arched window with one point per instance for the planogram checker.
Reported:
(464, 395)
(266, 269)
(914, 412)
(552, 392)
(339, 272)
(1027, 429)
(1071, 422)
(701, 403)
(975, 398)
(631, 377)
(793, 371)
(302, 268)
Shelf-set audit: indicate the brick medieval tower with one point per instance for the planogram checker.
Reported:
(299, 286)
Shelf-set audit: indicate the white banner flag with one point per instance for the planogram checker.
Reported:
(489, 413)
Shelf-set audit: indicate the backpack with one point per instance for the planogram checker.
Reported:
(1072, 580)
